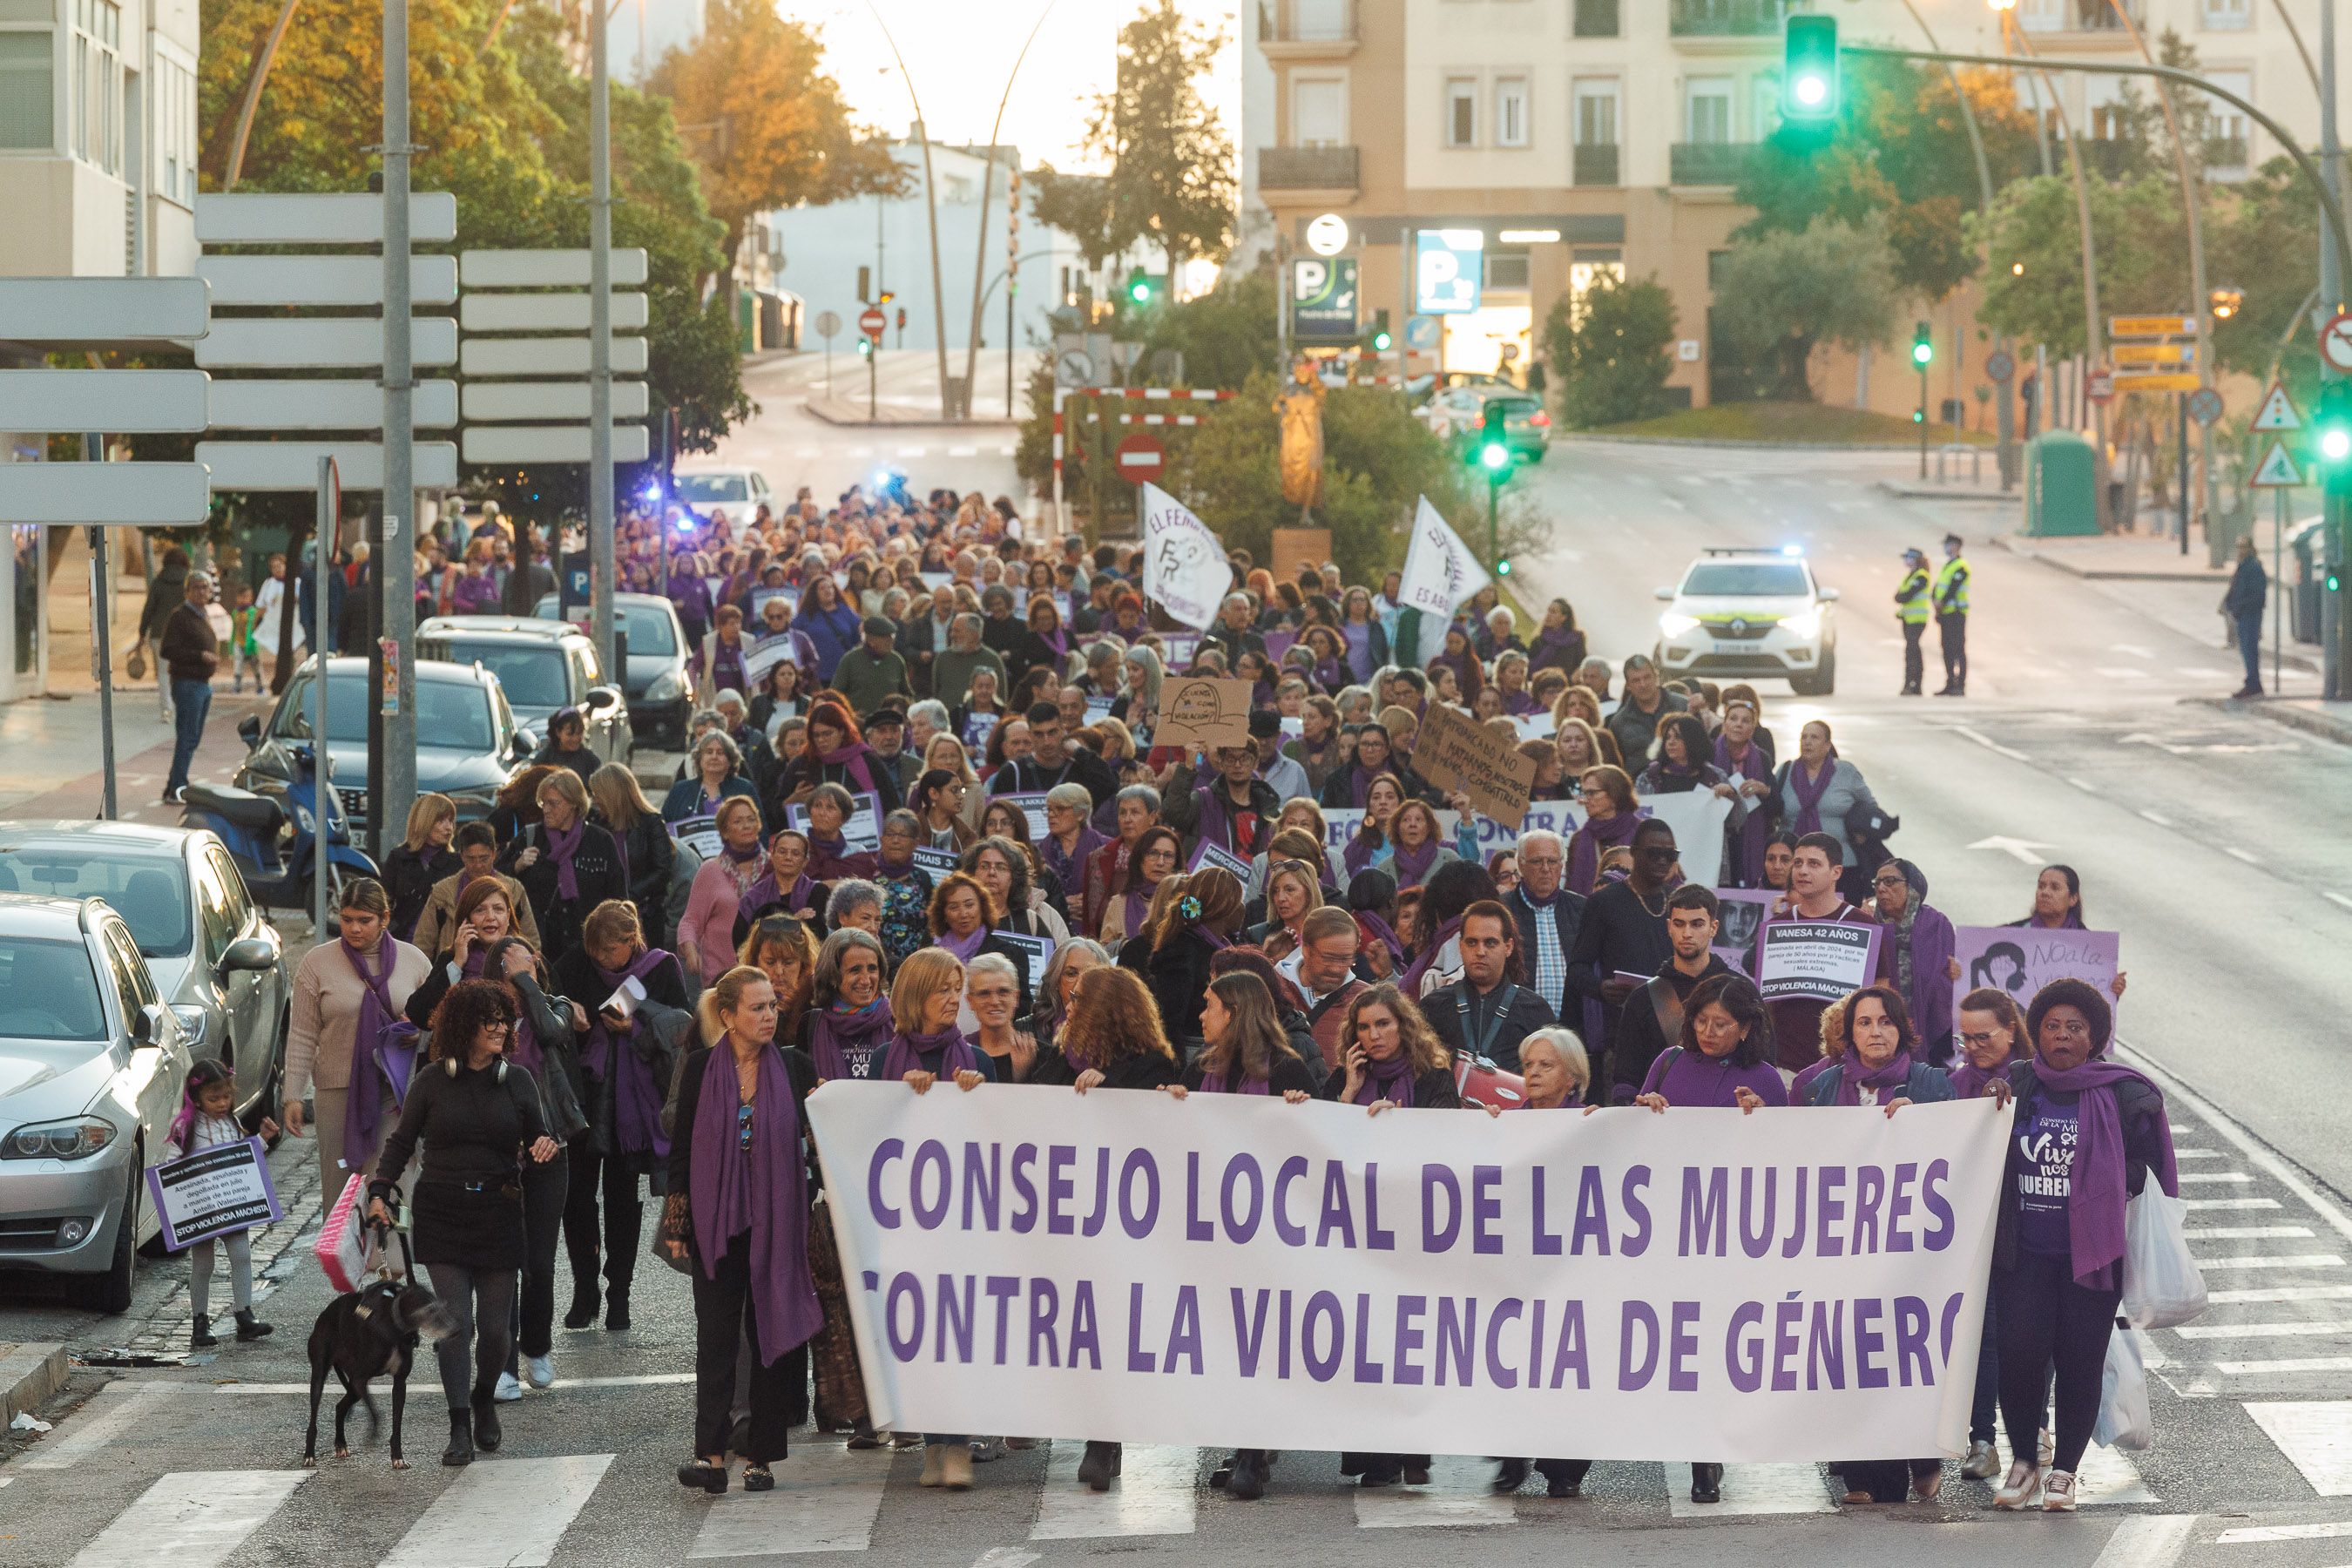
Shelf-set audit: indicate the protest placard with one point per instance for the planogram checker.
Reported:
(1185, 570)
(1036, 952)
(700, 834)
(862, 831)
(1819, 960)
(977, 723)
(760, 597)
(2022, 960)
(1235, 1270)
(1457, 752)
(1207, 854)
(1744, 913)
(1031, 804)
(1099, 707)
(763, 654)
(1536, 726)
(1297, 547)
(1180, 646)
(212, 1192)
(938, 862)
(1201, 712)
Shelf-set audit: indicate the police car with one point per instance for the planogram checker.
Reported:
(1742, 614)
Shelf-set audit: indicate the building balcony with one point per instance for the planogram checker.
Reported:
(1597, 164)
(1730, 19)
(1307, 29)
(1327, 168)
(2080, 16)
(1598, 19)
(1711, 162)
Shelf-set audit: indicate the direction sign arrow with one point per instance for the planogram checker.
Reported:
(2336, 341)
(2000, 365)
(2205, 405)
(2278, 472)
(2278, 411)
(2022, 848)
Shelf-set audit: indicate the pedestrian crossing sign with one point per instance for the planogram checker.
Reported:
(2278, 471)
(2278, 411)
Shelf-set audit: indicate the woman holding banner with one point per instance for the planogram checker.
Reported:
(2090, 1133)
(2057, 900)
(1992, 1037)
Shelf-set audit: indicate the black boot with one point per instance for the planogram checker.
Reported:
(585, 1301)
(460, 1450)
(616, 1304)
(486, 1436)
(200, 1333)
(1250, 1474)
(1099, 1466)
(1511, 1474)
(249, 1327)
(1707, 1483)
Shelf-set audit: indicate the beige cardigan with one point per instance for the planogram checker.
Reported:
(326, 1013)
(436, 928)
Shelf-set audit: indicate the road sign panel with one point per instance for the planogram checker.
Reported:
(326, 217)
(549, 442)
(828, 324)
(2152, 326)
(2159, 382)
(320, 342)
(546, 312)
(2000, 365)
(2336, 341)
(354, 280)
(1141, 458)
(64, 402)
(871, 323)
(2277, 470)
(541, 402)
(2155, 353)
(154, 495)
(294, 465)
(276, 403)
(2278, 411)
(2099, 386)
(87, 312)
(545, 356)
(2205, 405)
(546, 269)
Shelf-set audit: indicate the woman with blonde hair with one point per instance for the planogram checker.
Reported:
(782, 947)
(566, 864)
(619, 806)
(422, 857)
(1294, 889)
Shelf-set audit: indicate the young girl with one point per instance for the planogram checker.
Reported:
(241, 643)
(207, 1117)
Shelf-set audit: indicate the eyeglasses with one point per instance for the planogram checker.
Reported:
(500, 1028)
(1984, 1038)
(1887, 882)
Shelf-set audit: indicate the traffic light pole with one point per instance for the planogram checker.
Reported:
(1494, 529)
(2333, 253)
(1922, 417)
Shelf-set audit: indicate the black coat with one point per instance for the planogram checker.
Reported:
(575, 978)
(1432, 1090)
(1179, 977)
(1567, 913)
(408, 877)
(650, 854)
(2138, 1108)
(1640, 1040)
(1144, 1070)
(799, 1071)
(595, 870)
(550, 1027)
(1287, 1072)
(1527, 1013)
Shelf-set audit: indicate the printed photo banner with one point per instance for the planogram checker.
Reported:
(1745, 911)
(1796, 1284)
(1698, 819)
(1031, 804)
(700, 834)
(1819, 960)
(2022, 960)
(763, 655)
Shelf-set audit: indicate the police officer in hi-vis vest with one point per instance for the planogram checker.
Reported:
(1911, 609)
(1951, 602)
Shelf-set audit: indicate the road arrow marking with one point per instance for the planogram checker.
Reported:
(2022, 848)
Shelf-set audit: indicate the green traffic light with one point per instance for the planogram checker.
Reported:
(1139, 293)
(1381, 342)
(2336, 444)
(1503, 567)
(1809, 67)
(1922, 354)
(1495, 456)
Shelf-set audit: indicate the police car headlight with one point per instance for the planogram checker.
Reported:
(1805, 626)
(1674, 624)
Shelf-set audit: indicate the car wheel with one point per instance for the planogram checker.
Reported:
(1821, 682)
(110, 1292)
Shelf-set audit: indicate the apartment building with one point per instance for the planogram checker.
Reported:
(1581, 136)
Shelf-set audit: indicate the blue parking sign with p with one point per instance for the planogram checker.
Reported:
(1449, 264)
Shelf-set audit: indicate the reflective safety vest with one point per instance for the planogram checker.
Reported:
(1911, 599)
(1952, 586)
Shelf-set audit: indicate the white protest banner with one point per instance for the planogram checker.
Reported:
(1185, 568)
(212, 1192)
(760, 597)
(700, 834)
(862, 832)
(1036, 952)
(764, 654)
(1439, 570)
(1819, 960)
(1207, 854)
(2022, 960)
(1697, 817)
(1229, 1270)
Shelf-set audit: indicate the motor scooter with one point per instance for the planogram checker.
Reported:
(275, 855)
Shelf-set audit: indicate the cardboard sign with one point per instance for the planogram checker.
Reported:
(862, 832)
(1297, 547)
(213, 1192)
(1201, 712)
(2022, 960)
(1457, 752)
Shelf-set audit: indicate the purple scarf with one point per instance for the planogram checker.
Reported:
(1411, 983)
(1756, 826)
(1360, 849)
(963, 947)
(761, 1190)
(1585, 846)
(1809, 795)
(852, 759)
(1548, 644)
(560, 847)
(764, 891)
(1137, 906)
(1887, 1080)
(1359, 783)
(1221, 1083)
(1070, 868)
(1412, 866)
(1968, 1080)
(1518, 703)
(1372, 928)
(384, 1048)
(906, 1051)
(636, 1098)
(1933, 944)
(856, 1026)
(2095, 1211)
(1390, 1080)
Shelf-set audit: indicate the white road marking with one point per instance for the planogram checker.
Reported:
(2159, 821)
(1460, 1491)
(2105, 1478)
(2148, 1540)
(2257, 1534)
(2295, 1331)
(1752, 1489)
(501, 1513)
(93, 1427)
(2267, 1293)
(2086, 786)
(2134, 649)
(2292, 1260)
(2292, 1364)
(1005, 1557)
(2122, 672)
(2229, 1203)
(2247, 1232)
(2315, 1435)
(2336, 898)
(190, 1518)
(2021, 849)
(963, 451)
(189, 1386)
(2224, 1178)
(2260, 1158)
(1157, 1493)
(2236, 853)
(2180, 1153)
(826, 1500)
(903, 451)
(1671, 503)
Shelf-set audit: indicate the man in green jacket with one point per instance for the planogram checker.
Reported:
(952, 673)
(874, 669)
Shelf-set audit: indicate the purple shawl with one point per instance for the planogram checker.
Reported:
(383, 1048)
(1586, 844)
(1390, 1080)
(963, 947)
(1933, 945)
(1361, 849)
(835, 1024)
(761, 1190)
(764, 891)
(1411, 867)
(1518, 703)
(636, 1098)
(1562, 649)
(908, 1051)
(1969, 1081)
(852, 759)
(1756, 826)
(2095, 1213)
(1359, 783)
(1887, 1080)
(1809, 793)
(1411, 983)
(1372, 928)
(560, 847)
(1070, 869)
(1221, 1083)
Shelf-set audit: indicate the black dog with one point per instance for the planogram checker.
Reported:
(362, 1336)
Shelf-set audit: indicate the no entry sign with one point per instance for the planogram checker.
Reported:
(1141, 458)
(872, 323)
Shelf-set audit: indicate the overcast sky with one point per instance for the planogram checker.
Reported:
(961, 51)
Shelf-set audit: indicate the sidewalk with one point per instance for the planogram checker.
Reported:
(901, 411)
(2313, 716)
(52, 757)
(2128, 557)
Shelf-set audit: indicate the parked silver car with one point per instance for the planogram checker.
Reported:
(543, 666)
(217, 960)
(92, 1068)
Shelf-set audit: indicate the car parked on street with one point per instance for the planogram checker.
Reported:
(217, 960)
(659, 681)
(542, 667)
(92, 1068)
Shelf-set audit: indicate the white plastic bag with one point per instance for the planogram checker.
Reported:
(2124, 1420)
(347, 1254)
(2162, 1285)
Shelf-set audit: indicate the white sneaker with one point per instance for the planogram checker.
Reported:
(2022, 1489)
(540, 1370)
(2046, 1447)
(509, 1390)
(2058, 1492)
(1982, 1464)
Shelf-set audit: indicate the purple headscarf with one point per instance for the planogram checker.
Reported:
(761, 1190)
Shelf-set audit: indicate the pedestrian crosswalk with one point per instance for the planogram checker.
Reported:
(508, 1514)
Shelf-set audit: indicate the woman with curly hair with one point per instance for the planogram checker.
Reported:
(1196, 923)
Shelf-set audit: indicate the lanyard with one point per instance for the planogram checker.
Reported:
(1484, 1038)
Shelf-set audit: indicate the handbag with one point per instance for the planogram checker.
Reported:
(2163, 1287)
(135, 665)
(346, 1252)
(2124, 1420)
(674, 1235)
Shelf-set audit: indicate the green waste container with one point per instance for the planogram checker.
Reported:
(2060, 486)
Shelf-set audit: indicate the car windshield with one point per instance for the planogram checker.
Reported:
(1746, 579)
(707, 490)
(149, 891)
(646, 626)
(454, 715)
(48, 992)
(532, 676)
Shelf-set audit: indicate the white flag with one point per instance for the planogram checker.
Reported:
(1184, 567)
(1439, 570)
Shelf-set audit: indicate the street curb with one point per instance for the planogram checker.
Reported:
(1897, 447)
(29, 1375)
(1930, 492)
(810, 408)
(2093, 574)
(2325, 726)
